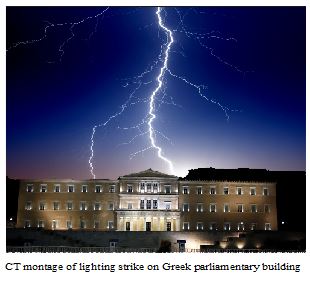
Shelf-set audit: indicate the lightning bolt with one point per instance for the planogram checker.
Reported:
(159, 81)
(90, 160)
(152, 111)
(154, 93)
(163, 59)
(123, 107)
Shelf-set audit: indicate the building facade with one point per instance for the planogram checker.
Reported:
(148, 201)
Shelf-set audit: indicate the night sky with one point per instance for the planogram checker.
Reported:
(252, 60)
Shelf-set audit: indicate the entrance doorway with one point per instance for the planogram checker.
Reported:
(181, 245)
(148, 226)
(168, 226)
(112, 246)
(127, 226)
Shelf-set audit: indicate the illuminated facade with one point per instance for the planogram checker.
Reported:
(148, 201)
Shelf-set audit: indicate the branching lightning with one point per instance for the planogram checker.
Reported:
(155, 77)
(55, 25)
(163, 59)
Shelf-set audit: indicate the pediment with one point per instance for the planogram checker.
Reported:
(149, 174)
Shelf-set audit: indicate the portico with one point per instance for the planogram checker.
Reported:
(144, 220)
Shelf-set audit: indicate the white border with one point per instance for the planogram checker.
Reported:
(179, 279)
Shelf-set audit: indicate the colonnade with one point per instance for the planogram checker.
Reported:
(148, 223)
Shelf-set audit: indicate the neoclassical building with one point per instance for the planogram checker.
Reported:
(149, 201)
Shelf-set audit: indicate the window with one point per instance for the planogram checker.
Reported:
(69, 224)
(148, 204)
(42, 206)
(83, 206)
(185, 190)
(253, 208)
(212, 208)
(43, 189)
(110, 206)
(56, 206)
(129, 188)
(28, 206)
(265, 192)
(148, 187)
(213, 226)
(252, 191)
(186, 226)
(69, 206)
(226, 226)
(225, 191)
(199, 207)
(168, 205)
(97, 206)
(267, 226)
(199, 226)
(27, 224)
(142, 204)
(199, 190)
(155, 188)
(83, 224)
(142, 187)
(155, 203)
(185, 207)
(40, 224)
(240, 208)
(96, 224)
(267, 208)
(110, 225)
(239, 191)
(112, 189)
(167, 189)
(54, 225)
(240, 226)
(98, 189)
(127, 226)
(57, 188)
(84, 189)
(169, 226)
(70, 189)
(129, 206)
(253, 226)
(226, 208)
(212, 191)
(29, 188)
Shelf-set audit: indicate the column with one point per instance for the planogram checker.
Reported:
(120, 224)
(125, 221)
(177, 224)
(173, 224)
(161, 224)
(134, 224)
(152, 223)
(144, 224)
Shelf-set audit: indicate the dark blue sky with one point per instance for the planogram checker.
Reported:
(252, 59)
